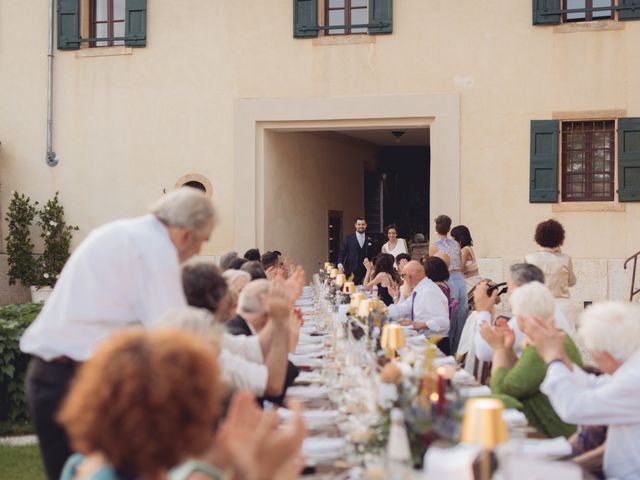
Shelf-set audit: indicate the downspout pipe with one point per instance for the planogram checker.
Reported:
(51, 157)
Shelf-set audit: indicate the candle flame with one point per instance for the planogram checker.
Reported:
(434, 397)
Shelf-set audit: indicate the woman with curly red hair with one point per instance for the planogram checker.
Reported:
(557, 266)
(143, 404)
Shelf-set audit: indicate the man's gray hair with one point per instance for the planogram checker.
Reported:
(522, 273)
(232, 276)
(187, 208)
(226, 259)
(250, 300)
(612, 327)
(198, 321)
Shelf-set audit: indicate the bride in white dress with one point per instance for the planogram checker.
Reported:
(395, 245)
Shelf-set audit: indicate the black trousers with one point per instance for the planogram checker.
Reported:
(47, 384)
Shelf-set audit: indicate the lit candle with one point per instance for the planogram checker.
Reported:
(442, 390)
(350, 288)
(364, 308)
(356, 299)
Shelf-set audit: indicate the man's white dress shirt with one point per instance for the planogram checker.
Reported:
(124, 273)
(483, 350)
(242, 363)
(361, 237)
(612, 400)
(430, 306)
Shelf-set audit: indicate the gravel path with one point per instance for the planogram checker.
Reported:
(19, 440)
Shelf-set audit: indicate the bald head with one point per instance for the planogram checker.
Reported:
(413, 273)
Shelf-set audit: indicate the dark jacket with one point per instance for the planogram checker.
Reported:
(352, 256)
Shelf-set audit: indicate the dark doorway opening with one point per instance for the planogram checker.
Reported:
(397, 191)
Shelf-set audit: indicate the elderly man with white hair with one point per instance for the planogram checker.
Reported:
(251, 319)
(124, 273)
(517, 380)
(611, 332)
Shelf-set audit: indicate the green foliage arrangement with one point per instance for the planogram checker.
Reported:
(55, 232)
(57, 241)
(14, 319)
(23, 266)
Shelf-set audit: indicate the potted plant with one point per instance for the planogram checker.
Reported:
(40, 274)
(56, 235)
(23, 266)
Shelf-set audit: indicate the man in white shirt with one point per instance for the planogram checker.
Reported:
(611, 332)
(124, 273)
(426, 309)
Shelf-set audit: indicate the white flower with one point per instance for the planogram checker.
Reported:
(53, 224)
(46, 275)
(48, 234)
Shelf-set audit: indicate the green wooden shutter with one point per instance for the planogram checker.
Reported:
(135, 21)
(380, 16)
(632, 13)
(68, 24)
(542, 6)
(544, 161)
(305, 18)
(629, 159)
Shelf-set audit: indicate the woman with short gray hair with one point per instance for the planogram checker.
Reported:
(517, 380)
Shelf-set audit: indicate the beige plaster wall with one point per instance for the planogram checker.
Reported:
(128, 125)
(305, 177)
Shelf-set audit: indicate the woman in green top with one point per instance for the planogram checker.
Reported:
(517, 380)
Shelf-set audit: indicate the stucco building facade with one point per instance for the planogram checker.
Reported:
(259, 103)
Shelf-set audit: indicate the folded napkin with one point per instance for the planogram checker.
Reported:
(547, 447)
(305, 361)
(307, 329)
(305, 339)
(312, 391)
(306, 355)
(312, 418)
(452, 463)
(309, 348)
(463, 377)
(308, 377)
(419, 340)
(530, 468)
(481, 391)
(323, 447)
(438, 362)
(514, 418)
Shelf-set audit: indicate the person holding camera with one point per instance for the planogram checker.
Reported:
(520, 274)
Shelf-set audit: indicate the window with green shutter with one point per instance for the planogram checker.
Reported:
(111, 22)
(544, 161)
(553, 12)
(342, 17)
(629, 159)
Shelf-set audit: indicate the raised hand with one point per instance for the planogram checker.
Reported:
(278, 302)
(295, 283)
(495, 337)
(546, 339)
(367, 264)
(482, 301)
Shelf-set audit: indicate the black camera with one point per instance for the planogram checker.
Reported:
(500, 287)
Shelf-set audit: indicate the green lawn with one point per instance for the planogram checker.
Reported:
(20, 463)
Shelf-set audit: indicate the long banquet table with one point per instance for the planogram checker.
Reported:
(342, 392)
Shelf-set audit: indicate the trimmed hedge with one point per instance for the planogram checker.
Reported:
(14, 319)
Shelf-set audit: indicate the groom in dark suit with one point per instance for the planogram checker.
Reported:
(355, 249)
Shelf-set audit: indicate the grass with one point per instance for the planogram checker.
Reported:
(19, 463)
